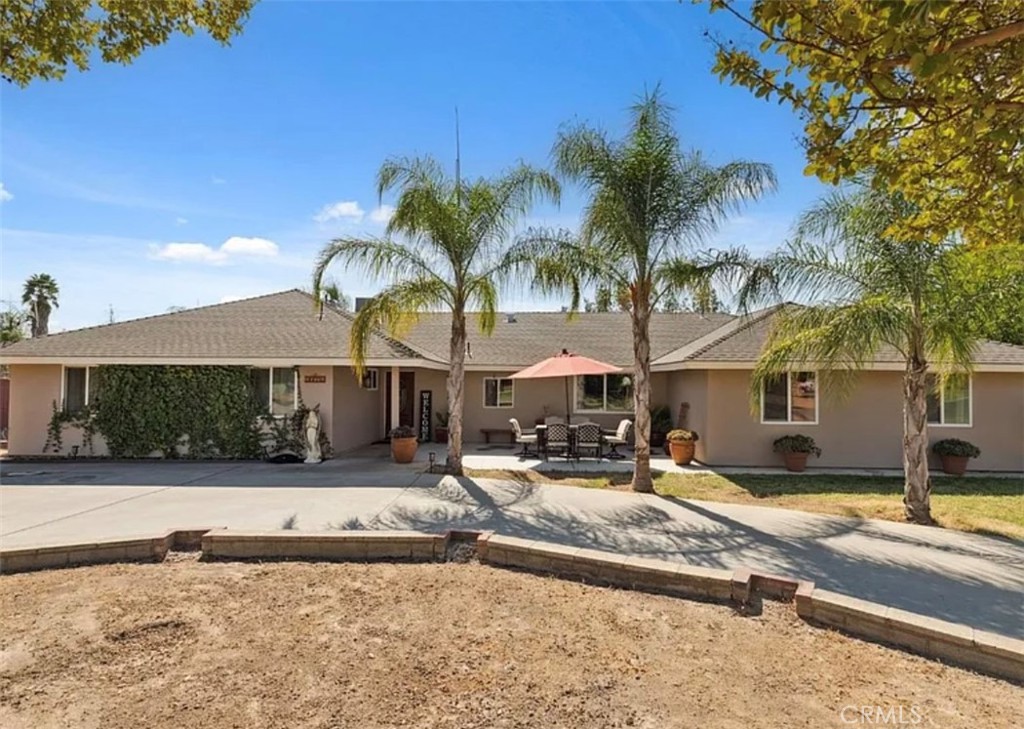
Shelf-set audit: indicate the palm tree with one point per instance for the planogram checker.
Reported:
(40, 296)
(650, 208)
(454, 256)
(869, 290)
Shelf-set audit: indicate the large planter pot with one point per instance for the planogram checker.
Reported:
(682, 451)
(796, 462)
(441, 435)
(403, 450)
(954, 465)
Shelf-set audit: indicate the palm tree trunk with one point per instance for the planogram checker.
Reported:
(917, 485)
(456, 392)
(642, 480)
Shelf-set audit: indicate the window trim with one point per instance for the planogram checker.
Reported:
(789, 402)
(375, 378)
(604, 399)
(270, 389)
(498, 406)
(942, 406)
(64, 385)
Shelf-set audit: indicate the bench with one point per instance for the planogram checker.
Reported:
(488, 432)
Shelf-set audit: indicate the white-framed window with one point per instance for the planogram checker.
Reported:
(604, 393)
(78, 388)
(371, 380)
(950, 402)
(277, 388)
(791, 398)
(499, 392)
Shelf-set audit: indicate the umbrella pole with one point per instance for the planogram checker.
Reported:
(568, 415)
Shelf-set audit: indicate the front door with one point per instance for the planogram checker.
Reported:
(406, 402)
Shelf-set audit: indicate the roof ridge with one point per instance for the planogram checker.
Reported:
(164, 314)
(393, 341)
(739, 323)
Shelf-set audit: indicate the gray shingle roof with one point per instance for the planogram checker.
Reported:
(743, 343)
(536, 335)
(282, 325)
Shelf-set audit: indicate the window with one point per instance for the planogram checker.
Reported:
(370, 381)
(604, 393)
(276, 389)
(949, 403)
(498, 392)
(80, 385)
(792, 398)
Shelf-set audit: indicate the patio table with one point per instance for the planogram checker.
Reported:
(571, 453)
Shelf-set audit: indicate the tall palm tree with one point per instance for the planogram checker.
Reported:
(40, 295)
(454, 256)
(651, 207)
(868, 291)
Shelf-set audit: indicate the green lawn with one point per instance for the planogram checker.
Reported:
(992, 506)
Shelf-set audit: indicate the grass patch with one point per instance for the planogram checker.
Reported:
(990, 506)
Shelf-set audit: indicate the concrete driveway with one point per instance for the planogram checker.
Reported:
(960, 577)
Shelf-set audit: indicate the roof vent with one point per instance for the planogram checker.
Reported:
(361, 302)
(510, 318)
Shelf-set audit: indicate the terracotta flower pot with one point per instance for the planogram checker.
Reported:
(403, 450)
(682, 451)
(954, 465)
(796, 462)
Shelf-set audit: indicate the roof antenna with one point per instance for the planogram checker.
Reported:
(458, 161)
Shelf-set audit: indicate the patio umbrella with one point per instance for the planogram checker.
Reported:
(565, 365)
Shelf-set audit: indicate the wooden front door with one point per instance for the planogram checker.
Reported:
(406, 401)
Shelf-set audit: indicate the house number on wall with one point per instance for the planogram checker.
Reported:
(315, 378)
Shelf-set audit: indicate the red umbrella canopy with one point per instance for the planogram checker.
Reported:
(565, 364)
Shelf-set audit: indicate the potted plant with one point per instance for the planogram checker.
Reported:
(681, 445)
(403, 444)
(441, 431)
(954, 454)
(661, 423)
(795, 449)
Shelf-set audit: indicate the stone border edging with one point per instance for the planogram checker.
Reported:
(980, 650)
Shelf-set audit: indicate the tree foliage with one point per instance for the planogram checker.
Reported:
(40, 295)
(650, 210)
(444, 249)
(12, 326)
(990, 281)
(41, 39)
(927, 95)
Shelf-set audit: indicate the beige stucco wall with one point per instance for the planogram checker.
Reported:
(34, 389)
(355, 413)
(690, 386)
(319, 393)
(864, 429)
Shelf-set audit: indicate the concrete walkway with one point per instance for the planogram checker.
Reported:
(946, 574)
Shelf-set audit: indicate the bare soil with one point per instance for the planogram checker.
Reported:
(187, 644)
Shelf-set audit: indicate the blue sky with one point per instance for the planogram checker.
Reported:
(203, 173)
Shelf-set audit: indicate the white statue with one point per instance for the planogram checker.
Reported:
(312, 425)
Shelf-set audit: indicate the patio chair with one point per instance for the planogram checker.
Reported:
(588, 439)
(556, 440)
(524, 439)
(618, 438)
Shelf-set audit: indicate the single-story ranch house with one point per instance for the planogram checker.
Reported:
(705, 361)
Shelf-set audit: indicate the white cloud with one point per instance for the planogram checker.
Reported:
(344, 209)
(4, 194)
(382, 214)
(218, 180)
(233, 247)
(180, 221)
(238, 246)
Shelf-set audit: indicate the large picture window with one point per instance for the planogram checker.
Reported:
(80, 385)
(604, 393)
(791, 398)
(276, 389)
(949, 402)
(499, 392)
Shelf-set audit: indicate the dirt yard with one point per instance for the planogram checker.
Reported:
(186, 644)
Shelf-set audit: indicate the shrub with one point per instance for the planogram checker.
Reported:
(661, 419)
(442, 417)
(403, 431)
(682, 436)
(955, 447)
(796, 444)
